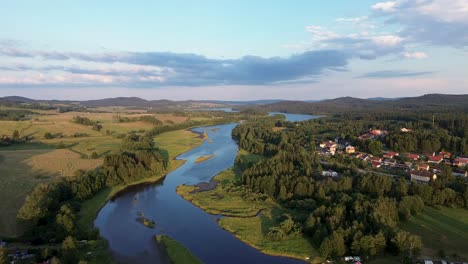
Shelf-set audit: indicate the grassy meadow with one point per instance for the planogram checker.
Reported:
(23, 166)
(443, 229)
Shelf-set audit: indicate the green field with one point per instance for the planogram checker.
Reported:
(23, 166)
(445, 229)
(178, 254)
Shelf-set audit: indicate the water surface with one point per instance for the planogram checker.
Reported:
(132, 242)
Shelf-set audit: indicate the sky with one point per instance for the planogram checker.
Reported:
(233, 50)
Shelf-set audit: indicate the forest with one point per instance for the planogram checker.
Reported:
(357, 213)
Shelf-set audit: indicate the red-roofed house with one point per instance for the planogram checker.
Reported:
(376, 164)
(423, 176)
(435, 159)
(445, 155)
(423, 166)
(412, 156)
(376, 159)
(460, 162)
(390, 155)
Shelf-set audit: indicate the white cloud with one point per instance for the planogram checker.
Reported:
(352, 19)
(414, 55)
(387, 41)
(385, 6)
(321, 33)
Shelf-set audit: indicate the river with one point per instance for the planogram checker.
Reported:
(131, 242)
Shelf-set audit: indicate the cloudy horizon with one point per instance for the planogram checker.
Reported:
(233, 51)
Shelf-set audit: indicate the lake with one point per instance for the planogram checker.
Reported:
(131, 242)
(295, 117)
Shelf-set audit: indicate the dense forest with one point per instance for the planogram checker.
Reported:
(357, 213)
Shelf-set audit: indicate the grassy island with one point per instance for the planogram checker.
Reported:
(204, 158)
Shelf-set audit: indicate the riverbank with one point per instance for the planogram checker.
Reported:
(176, 143)
(248, 216)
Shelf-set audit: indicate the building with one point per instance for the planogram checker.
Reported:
(350, 149)
(376, 164)
(422, 176)
(330, 146)
(405, 130)
(423, 166)
(435, 159)
(330, 173)
(390, 155)
(445, 154)
(412, 156)
(460, 162)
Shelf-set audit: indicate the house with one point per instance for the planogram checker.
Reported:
(350, 149)
(330, 173)
(422, 176)
(330, 146)
(460, 162)
(376, 164)
(435, 159)
(423, 166)
(412, 156)
(405, 130)
(376, 159)
(445, 154)
(390, 154)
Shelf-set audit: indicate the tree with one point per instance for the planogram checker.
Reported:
(4, 256)
(407, 244)
(66, 219)
(15, 135)
(69, 251)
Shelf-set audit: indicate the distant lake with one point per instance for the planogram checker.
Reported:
(295, 117)
(223, 109)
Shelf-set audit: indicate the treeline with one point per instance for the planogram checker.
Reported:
(51, 209)
(353, 214)
(87, 122)
(16, 115)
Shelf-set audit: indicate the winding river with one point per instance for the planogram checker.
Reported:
(132, 242)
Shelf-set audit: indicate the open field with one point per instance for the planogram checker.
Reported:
(444, 229)
(23, 166)
(22, 170)
(177, 253)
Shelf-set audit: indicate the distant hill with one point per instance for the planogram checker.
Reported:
(427, 102)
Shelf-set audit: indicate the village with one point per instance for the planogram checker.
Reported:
(418, 167)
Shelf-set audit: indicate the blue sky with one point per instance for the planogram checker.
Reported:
(233, 50)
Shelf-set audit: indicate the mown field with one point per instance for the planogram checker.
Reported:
(444, 229)
(23, 166)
